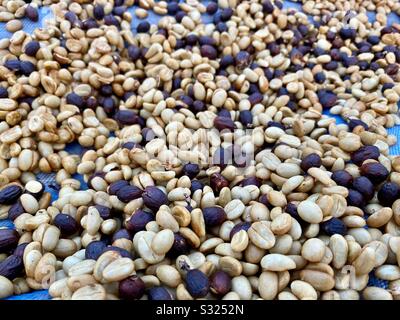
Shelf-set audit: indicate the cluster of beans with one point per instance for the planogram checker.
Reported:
(12, 11)
(212, 172)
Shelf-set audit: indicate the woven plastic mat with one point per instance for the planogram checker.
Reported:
(74, 148)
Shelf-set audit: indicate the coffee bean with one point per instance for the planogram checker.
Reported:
(8, 240)
(197, 283)
(220, 283)
(159, 293)
(217, 182)
(342, 178)
(310, 161)
(66, 223)
(138, 221)
(154, 198)
(131, 288)
(388, 193)
(365, 153)
(214, 216)
(10, 194)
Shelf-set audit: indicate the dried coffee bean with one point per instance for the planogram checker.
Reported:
(126, 117)
(353, 123)
(173, 8)
(32, 13)
(143, 27)
(154, 198)
(246, 118)
(134, 52)
(310, 161)
(76, 100)
(239, 226)
(15, 210)
(94, 250)
(375, 172)
(8, 240)
(197, 283)
(196, 185)
(364, 153)
(32, 48)
(364, 186)
(388, 193)
(342, 178)
(267, 6)
(3, 92)
(98, 12)
(26, 68)
(35, 188)
(291, 208)
(12, 267)
(208, 51)
(250, 181)
(10, 194)
(220, 283)
(242, 60)
(122, 252)
(138, 221)
(347, 33)
(355, 199)
(159, 293)
(217, 182)
(226, 61)
(191, 170)
(276, 124)
(13, 64)
(114, 187)
(131, 288)
(96, 174)
(129, 193)
(224, 123)
(214, 216)
(66, 223)
(105, 212)
(20, 249)
(333, 226)
(326, 98)
(121, 234)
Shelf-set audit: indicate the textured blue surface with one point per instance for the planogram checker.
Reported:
(74, 148)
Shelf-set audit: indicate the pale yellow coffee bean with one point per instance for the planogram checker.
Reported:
(6, 287)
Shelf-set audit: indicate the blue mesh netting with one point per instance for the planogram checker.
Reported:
(49, 179)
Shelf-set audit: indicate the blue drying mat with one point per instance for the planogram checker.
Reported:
(374, 281)
(75, 148)
(35, 295)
